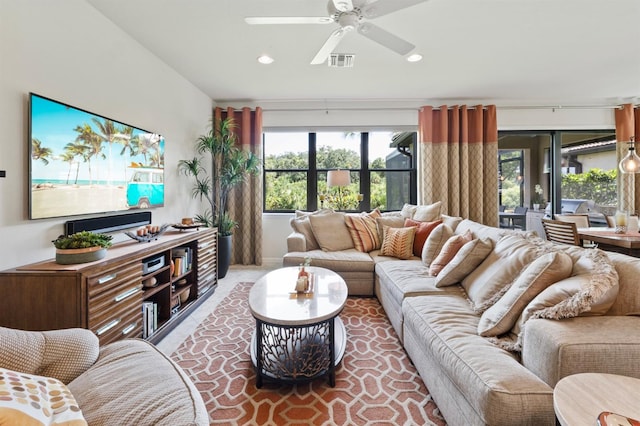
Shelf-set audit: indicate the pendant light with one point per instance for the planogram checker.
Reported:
(631, 162)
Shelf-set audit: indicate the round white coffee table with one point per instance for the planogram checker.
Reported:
(579, 399)
(298, 336)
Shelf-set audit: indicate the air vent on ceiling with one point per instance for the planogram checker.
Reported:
(341, 60)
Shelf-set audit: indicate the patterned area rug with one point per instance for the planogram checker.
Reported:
(375, 383)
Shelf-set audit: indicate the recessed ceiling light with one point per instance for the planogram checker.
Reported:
(414, 58)
(265, 59)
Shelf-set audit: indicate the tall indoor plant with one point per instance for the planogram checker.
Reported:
(230, 166)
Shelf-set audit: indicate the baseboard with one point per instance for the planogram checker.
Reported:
(272, 262)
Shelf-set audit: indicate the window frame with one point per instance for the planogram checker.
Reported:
(364, 173)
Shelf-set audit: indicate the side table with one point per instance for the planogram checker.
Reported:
(579, 399)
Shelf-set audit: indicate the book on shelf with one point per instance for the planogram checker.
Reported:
(149, 318)
(182, 258)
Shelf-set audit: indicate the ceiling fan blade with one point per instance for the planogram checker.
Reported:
(385, 38)
(343, 5)
(270, 20)
(384, 7)
(328, 46)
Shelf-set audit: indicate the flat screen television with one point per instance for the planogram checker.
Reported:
(84, 163)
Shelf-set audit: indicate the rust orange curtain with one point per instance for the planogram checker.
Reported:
(245, 201)
(627, 125)
(459, 160)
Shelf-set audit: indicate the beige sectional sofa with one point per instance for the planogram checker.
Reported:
(129, 382)
(491, 346)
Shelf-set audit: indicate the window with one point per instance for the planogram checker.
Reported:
(381, 168)
(566, 165)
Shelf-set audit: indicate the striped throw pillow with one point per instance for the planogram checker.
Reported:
(364, 231)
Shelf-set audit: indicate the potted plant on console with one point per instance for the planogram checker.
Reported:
(230, 166)
(81, 247)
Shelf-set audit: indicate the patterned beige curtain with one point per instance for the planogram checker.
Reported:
(459, 161)
(627, 125)
(245, 201)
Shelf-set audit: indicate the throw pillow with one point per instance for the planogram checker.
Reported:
(466, 260)
(408, 210)
(392, 221)
(331, 232)
(27, 399)
(591, 291)
(452, 221)
(398, 242)
(428, 213)
(448, 252)
(540, 274)
(423, 229)
(502, 266)
(301, 224)
(435, 242)
(364, 230)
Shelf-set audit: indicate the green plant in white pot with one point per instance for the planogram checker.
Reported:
(81, 247)
(230, 166)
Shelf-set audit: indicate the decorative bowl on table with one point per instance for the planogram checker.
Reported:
(147, 233)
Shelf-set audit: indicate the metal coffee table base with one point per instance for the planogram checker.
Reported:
(297, 353)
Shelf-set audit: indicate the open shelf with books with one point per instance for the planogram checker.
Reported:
(137, 290)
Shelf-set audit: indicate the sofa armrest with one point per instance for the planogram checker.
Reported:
(553, 349)
(62, 354)
(296, 242)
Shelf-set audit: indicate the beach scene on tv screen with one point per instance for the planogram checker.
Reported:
(84, 163)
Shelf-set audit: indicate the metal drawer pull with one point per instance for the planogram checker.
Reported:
(130, 328)
(108, 327)
(106, 278)
(126, 294)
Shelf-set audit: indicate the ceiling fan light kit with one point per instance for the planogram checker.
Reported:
(350, 15)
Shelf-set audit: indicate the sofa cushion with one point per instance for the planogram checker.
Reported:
(427, 213)
(466, 260)
(398, 242)
(491, 379)
(27, 399)
(435, 242)
(133, 383)
(364, 230)
(448, 252)
(408, 278)
(331, 231)
(350, 260)
(423, 230)
(538, 275)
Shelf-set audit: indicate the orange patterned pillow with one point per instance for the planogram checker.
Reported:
(423, 230)
(364, 230)
(27, 399)
(448, 252)
(398, 242)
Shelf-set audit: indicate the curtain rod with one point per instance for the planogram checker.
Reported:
(505, 107)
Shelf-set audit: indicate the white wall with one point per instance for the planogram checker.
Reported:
(67, 51)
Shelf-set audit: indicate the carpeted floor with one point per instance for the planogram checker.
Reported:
(375, 383)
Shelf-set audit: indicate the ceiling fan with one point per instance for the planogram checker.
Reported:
(350, 15)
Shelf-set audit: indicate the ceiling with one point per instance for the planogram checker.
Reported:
(509, 52)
